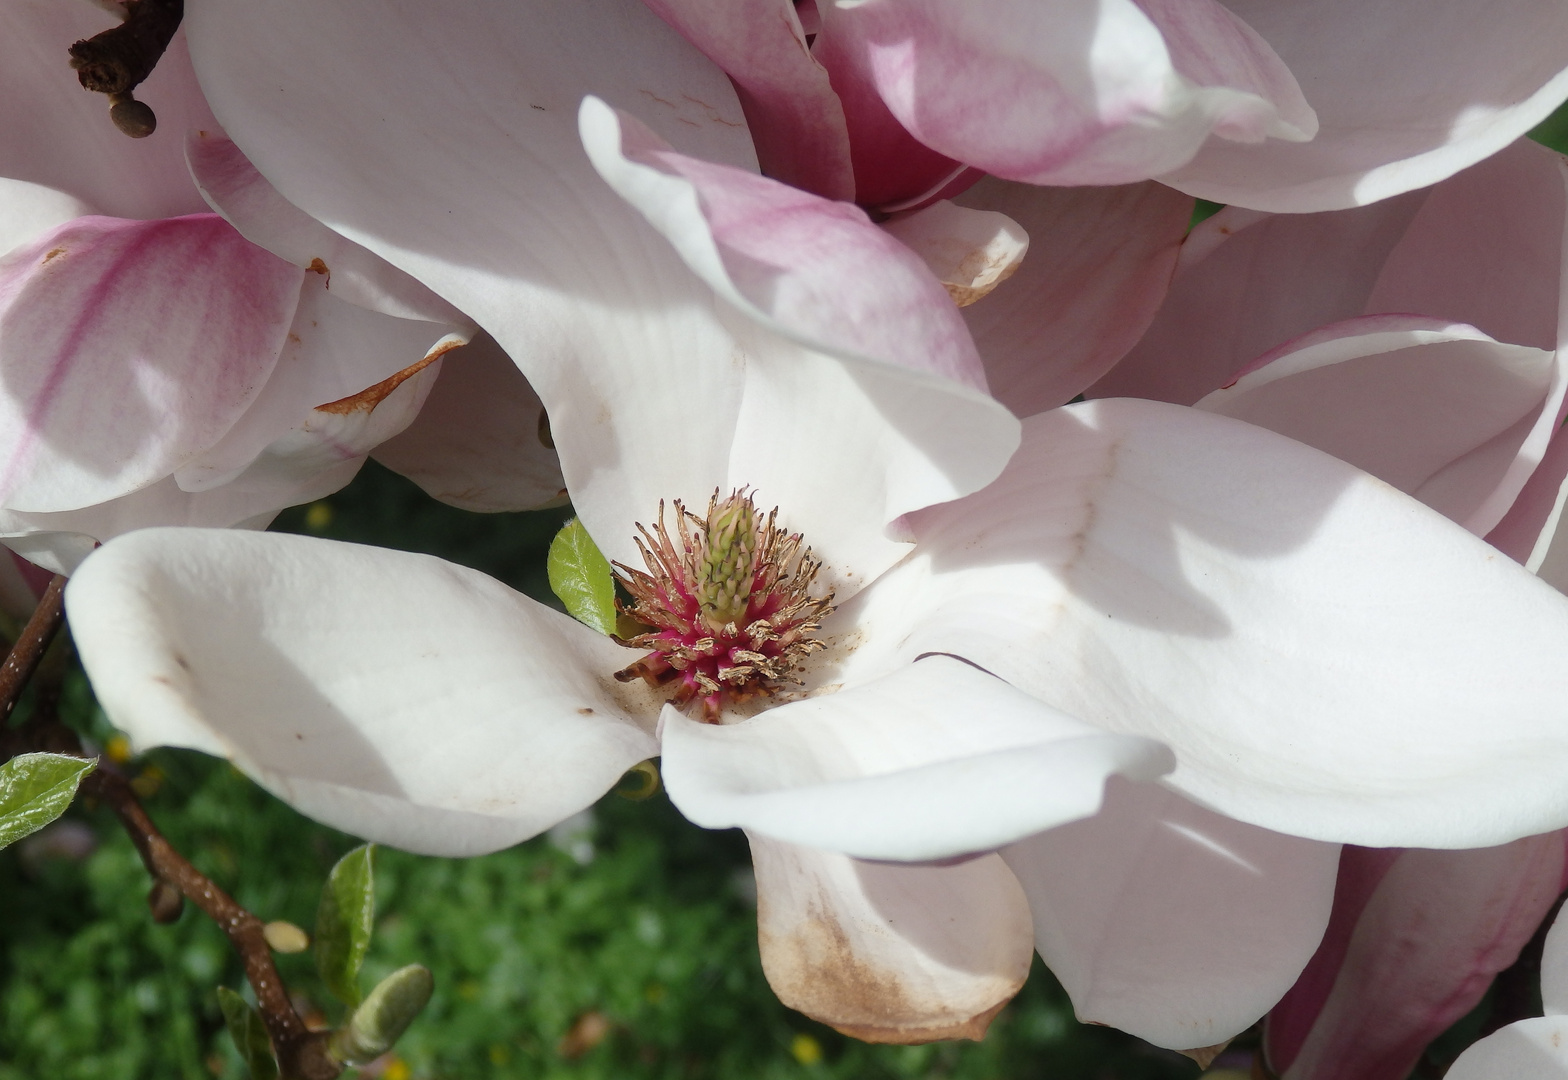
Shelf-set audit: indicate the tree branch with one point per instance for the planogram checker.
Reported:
(31, 644)
(302, 1054)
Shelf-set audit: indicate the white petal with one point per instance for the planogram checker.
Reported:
(1536, 1049)
(391, 695)
(1554, 969)
(27, 210)
(234, 188)
(890, 953)
(1407, 93)
(1169, 921)
(915, 440)
(876, 327)
(498, 210)
(1326, 656)
(935, 760)
(477, 441)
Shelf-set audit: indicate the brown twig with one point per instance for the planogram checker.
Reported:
(31, 644)
(116, 61)
(302, 1054)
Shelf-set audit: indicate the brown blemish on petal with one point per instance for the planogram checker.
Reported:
(585, 711)
(318, 267)
(867, 983)
(973, 1028)
(826, 979)
(978, 265)
(52, 253)
(367, 399)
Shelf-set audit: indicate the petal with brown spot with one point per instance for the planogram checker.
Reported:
(890, 952)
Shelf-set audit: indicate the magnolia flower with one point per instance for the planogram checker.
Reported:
(1295, 108)
(1415, 941)
(1140, 589)
(163, 364)
(1461, 406)
(1419, 339)
(1537, 1048)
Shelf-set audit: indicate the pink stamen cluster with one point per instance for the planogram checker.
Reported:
(729, 611)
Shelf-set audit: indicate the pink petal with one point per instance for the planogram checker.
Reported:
(1171, 922)
(127, 349)
(1483, 248)
(794, 116)
(886, 952)
(892, 168)
(333, 352)
(1486, 248)
(61, 541)
(1441, 412)
(1407, 93)
(1099, 264)
(1064, 93)
(1247, 283)
(59, 135)
(472, 444)
(1425, 945)
(1527, 534)
(816, 270)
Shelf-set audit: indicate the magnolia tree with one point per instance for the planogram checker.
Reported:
(1022, 568)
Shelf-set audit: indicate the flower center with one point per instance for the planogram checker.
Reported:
(729, 611)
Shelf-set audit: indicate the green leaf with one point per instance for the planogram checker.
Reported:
(35, 789)
(249, 1035)
(580, 576)
(385, 1015)
(343, 923)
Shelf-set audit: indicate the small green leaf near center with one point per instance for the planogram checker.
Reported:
(580, 576)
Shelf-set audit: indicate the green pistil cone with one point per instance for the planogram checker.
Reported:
(730, 561)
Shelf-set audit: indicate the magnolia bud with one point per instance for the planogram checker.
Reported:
(384, 1015)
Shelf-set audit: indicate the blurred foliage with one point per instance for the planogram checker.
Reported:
(1553, 131)
(633, 956)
